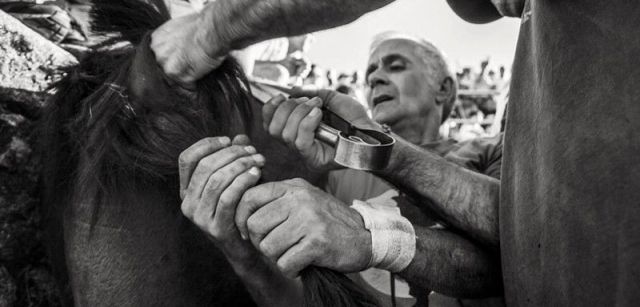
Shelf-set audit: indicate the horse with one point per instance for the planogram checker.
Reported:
(110, 142)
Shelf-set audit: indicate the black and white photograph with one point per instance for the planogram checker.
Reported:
(319, 153)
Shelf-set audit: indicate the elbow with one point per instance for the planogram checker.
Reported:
(475, 11)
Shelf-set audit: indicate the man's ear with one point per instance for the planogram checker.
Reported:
(446, 91)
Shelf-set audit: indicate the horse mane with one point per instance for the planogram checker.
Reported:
(117, 124)
(120, 116)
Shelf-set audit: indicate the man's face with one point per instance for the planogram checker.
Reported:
(400, 92)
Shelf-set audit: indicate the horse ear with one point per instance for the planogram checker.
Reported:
(127, 19)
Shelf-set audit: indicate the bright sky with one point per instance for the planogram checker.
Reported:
(346, 48)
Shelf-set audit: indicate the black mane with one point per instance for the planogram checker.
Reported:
(113, 132)
(120, 117)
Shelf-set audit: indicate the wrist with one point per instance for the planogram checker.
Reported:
(244, 263)
(210, 36)
(396, 158)
(363, 235)
(392, 237)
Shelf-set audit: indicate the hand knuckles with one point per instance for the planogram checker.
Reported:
(300, 110)
(186, 209)
(252, 225)
(306, 123)
(238, 150)
(185, 159)
(215, 182)
(204, 165)
(274, 130)
(266, 249)
(300, 144)
(214, 231)
(244, 164)
(317, 242)
(171, 70)
(306, 210)
(287, 137)
(216, 141)
(200, 221)
(285, 268)
(225, 200)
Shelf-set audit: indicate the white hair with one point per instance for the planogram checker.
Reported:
(432, 57)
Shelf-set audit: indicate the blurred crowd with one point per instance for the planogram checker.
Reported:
(477, 112)
(482, 90)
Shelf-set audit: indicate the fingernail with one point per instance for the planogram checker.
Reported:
(259, 159)
(254, 171)
(250, 149)
(243, 236)
(314, 112)
(225, 141)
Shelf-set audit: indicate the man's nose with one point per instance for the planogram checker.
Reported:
(377, 78)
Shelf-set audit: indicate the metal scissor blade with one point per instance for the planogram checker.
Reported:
(264, 91)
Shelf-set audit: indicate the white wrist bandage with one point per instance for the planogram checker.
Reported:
(393, 239)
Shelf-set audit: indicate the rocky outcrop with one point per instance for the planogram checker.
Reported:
(28, 66)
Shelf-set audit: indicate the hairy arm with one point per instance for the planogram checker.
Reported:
(235, 24)
(452, 265)
(466, 200)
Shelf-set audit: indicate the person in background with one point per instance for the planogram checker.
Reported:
(412, 89)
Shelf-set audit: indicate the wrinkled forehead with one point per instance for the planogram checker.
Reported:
(406, 48)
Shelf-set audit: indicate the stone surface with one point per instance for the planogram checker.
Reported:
(28, 66)
(26, 58)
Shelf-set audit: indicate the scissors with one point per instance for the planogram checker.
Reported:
(356, 148)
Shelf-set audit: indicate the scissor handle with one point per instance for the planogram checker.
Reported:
(355, 148)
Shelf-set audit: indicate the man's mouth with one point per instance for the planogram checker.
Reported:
(380, 99)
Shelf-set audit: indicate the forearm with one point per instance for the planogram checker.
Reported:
(450, 264)
(240, 23)
(267, 285)
(465, 200)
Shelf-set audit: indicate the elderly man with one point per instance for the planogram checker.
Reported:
(564, 215)
(411, 89)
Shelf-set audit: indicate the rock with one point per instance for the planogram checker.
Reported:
(29, 64)
(26, 57)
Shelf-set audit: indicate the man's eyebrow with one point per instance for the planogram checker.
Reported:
(386, 60)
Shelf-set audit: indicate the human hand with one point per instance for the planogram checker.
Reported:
(214, 173)
(295, 121)
(183, 51)
(296, 225)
